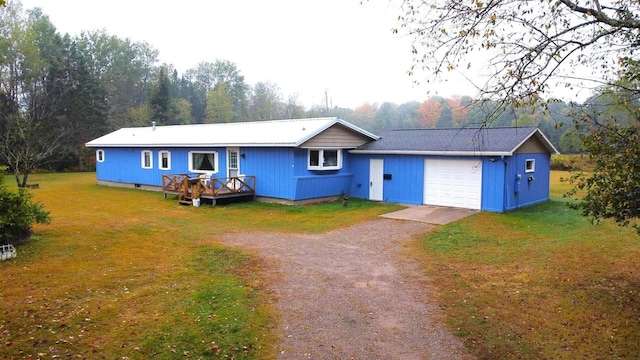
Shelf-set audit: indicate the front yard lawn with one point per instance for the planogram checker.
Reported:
(123, 273)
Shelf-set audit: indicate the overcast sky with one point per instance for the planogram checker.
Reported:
(303, 46)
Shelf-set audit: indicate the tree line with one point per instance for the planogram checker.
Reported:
(60, 91)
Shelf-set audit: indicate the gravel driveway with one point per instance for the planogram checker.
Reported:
(350, 294)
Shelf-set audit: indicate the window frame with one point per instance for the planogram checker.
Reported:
(321, 159)
(216, 167)
(160, 158)
(529, 165)
(143, 157)
(99, 155)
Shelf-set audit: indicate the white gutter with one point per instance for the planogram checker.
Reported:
(447, 153)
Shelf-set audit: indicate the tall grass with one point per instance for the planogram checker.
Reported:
(126, 274)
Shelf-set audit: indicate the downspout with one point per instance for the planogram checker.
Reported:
(505, 202)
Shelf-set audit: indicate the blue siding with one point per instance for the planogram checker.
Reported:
(407, 177)
(282, 173)
(273, 169)
(359, 167)
(528, 192)
(493, 184)
(124, 165)
(498, 180)
(310, 184)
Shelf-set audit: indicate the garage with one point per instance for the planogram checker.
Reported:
(456, 183)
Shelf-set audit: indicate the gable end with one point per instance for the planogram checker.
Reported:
(336, 136)
(532, 146)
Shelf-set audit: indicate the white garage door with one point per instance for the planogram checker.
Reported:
(456, 183)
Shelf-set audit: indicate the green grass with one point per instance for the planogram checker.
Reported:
(538, 283)
(123, 273)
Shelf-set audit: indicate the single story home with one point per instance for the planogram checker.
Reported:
(492, 169)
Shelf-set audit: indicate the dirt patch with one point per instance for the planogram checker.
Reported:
(349, 294)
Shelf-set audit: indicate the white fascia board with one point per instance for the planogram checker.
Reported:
(357, 129)
(137, 145)
(336, 120)
(552, 149)
(432, 153)
(330, 122)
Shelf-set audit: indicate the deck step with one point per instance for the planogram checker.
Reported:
(186, 200)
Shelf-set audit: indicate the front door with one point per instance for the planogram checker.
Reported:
(233, 162)
(376, 174)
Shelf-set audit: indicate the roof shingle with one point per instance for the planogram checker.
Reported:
(466, 141)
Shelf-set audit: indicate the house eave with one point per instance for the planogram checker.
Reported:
(432, 153)
(194, 145)
(335, 121)
(543, 138)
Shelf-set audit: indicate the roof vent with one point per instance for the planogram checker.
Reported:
(153, 125)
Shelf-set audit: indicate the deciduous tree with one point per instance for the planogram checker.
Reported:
(219, 105)
(430, 111)
(531, 46)
(34, 82)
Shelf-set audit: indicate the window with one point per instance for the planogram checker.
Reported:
(146, 159)
(100, 155)
(530, 165)
(164, 159)
(325, 159)
(203, 161)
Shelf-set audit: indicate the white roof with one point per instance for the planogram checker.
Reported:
(281, 133)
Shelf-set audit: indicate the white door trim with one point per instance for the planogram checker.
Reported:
(237, 158)
(453, 182)
(376, 179)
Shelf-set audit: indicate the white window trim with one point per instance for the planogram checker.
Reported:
(142, 155)
(99, 155)
(321, 160)
(533, 165)
(168, 159)
(215, 160)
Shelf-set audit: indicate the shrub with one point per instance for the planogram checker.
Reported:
(18, 213)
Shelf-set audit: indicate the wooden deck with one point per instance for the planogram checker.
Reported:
(188, 188)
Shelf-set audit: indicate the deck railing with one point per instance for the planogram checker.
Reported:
(197, 187)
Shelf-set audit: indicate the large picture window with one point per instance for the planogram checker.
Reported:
(164, 160)
(146, 159)
(203, 161)
(324, 159)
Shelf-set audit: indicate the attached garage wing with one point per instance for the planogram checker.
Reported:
(456, 183)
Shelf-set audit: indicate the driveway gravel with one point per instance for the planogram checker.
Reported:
(351, 294)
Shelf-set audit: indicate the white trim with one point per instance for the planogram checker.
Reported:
(376, 179)
(99, 155)
(277, 133)
(321, 159)
(237, 168)
(199, 171)
(168, 167)
(453, 182)
(532, 168)
(143, 158)
(445, 153)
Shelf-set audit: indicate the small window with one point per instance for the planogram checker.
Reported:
(203, 161)
(530, 165)
(100, 155)
(325, 159)
(164, 159)
(146, 159)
